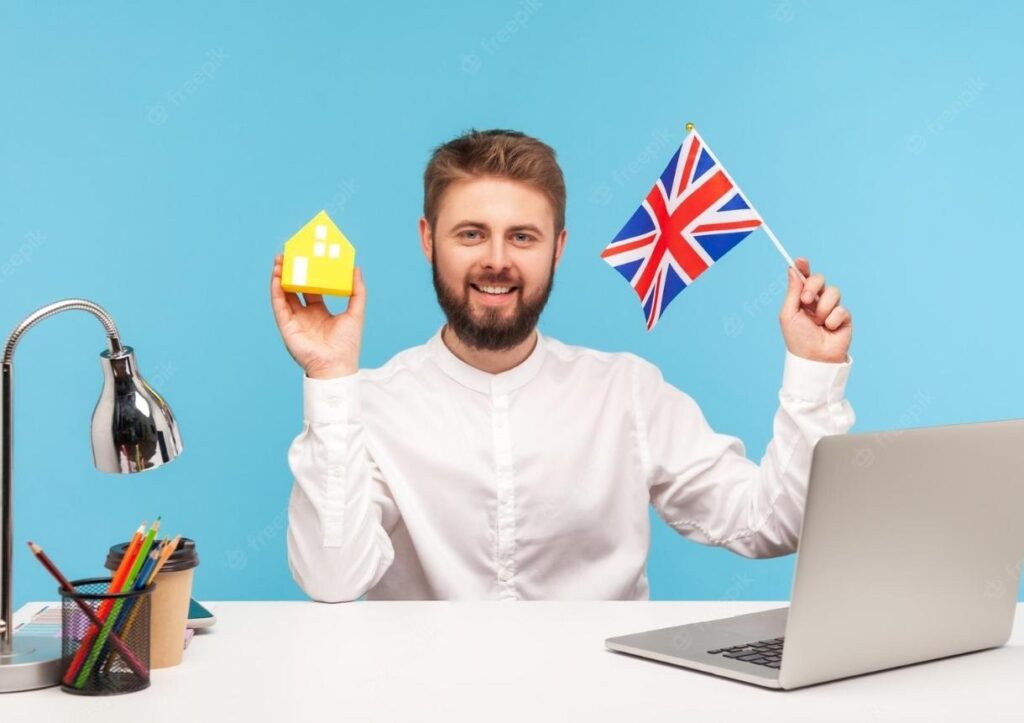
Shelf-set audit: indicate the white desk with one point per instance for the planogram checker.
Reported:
(524, 661)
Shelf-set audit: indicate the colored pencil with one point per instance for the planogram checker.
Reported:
(166, 550)
(133, 662)
(108, 624)
(115, 585)
(171, 547)
(130, 610)
(101, 654)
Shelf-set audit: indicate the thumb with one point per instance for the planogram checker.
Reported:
(791, 304)
(357, 301)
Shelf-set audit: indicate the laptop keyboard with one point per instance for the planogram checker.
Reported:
(763, 652)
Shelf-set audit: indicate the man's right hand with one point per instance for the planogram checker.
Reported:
(325, 345)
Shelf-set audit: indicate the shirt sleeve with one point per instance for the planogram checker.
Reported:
(340, 507)
(701, 482)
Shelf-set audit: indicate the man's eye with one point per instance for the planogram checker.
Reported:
(471, 235)
(523, 237)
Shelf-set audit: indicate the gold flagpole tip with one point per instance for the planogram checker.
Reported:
(689, 127)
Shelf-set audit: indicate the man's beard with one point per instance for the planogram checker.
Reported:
(491, 332)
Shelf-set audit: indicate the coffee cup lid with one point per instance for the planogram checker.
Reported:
(184, 556)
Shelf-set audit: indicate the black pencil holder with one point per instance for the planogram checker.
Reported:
(92, 664)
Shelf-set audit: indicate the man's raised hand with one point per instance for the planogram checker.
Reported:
(325, 345)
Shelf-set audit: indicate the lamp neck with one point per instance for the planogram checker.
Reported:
(113, 338)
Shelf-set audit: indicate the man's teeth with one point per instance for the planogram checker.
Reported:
(495, 289)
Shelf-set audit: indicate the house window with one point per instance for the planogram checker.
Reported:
(321, 232)
(334, 251)
(318, 248)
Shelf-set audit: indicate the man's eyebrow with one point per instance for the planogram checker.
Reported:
(526, 227)
(461, 224)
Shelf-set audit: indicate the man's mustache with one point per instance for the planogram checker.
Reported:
(500, 280)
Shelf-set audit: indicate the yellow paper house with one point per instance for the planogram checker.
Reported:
(319, 259)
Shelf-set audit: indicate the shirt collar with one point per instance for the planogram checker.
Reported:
(479, 380)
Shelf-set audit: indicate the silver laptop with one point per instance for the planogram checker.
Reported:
(910, 550)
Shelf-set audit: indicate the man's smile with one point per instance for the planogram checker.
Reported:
(494, 295)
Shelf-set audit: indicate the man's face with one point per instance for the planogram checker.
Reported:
(493, 252)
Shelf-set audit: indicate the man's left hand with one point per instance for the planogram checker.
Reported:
(814, 325)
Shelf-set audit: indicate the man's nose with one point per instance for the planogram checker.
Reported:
(497, 255)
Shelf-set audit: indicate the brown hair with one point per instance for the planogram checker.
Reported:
(500, 153)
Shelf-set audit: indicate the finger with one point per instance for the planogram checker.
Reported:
(812, 287)
(357, 302)
(313, 299)
(839, 316)
(791, 304)
(803, 265)
(291, 299)
(828, 301)
(282, 309)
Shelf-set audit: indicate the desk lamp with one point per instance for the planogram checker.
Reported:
(132, 430)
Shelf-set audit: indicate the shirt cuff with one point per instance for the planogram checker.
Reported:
(330, 401)
(815, 381)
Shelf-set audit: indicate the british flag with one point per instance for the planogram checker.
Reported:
(692, 216)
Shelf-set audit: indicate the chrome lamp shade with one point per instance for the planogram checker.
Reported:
(132, 430)
(132, 427)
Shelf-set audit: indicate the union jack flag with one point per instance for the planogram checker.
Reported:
(692, 216)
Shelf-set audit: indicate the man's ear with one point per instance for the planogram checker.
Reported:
(563, 236)
(426, 240)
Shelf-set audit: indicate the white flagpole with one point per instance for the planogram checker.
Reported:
(785, 254)
(764, 224)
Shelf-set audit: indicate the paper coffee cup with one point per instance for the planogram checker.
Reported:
(172, 591)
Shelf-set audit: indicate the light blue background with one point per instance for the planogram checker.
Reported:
(154, 159)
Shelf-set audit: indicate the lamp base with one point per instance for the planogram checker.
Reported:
(33, 662)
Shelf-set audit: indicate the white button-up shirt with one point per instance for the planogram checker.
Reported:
(430, 479)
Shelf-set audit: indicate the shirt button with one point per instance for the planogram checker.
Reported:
(505, 575)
